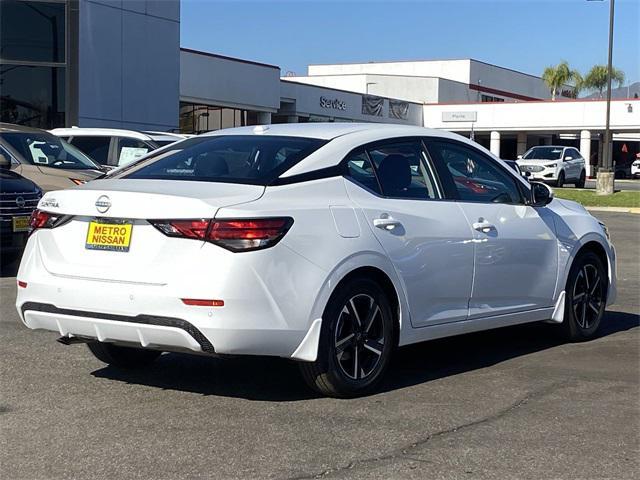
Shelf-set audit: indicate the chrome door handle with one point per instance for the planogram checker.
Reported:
(387, 223)
(483, 226)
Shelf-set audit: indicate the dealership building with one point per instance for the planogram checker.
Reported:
(118, 63)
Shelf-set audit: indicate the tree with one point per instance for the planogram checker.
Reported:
(596, 79)
(560, 75)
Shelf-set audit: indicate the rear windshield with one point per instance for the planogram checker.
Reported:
(253, 159)
(40, 148)
(543, 153)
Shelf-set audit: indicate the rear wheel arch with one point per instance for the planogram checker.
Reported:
(383, 280)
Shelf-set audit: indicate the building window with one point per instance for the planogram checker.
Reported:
(32, 95)
(32, 31)
(490, 98)
(205, 118)
(33, 62)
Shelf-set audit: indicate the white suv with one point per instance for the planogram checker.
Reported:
(635, 168)
(554, 164)
(114, 147)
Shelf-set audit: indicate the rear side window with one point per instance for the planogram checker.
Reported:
(360, 170)
(253, 159)
(96, 148)
(131, 149)
(403, 171)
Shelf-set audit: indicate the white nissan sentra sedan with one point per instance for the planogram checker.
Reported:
(329, 244)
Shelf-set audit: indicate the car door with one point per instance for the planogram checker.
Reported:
(427, 238)
(578, 162)
(515, 244)
(568, 161)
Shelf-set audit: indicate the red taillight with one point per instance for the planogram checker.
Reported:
(41, 219)
(242, 235)
(237, 235)
(183, 228)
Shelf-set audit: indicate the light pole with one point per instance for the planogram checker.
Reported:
(605, 176)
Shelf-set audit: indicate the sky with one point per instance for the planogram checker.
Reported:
(525, 35)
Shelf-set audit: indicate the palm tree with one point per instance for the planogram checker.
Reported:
(560, 75)
(596, 79)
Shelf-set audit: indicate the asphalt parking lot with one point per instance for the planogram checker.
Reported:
(510, 403)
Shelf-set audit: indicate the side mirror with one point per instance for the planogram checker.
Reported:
(519, 157)
(566, 159)
(541, 194)
(526, 174)
(4, 162)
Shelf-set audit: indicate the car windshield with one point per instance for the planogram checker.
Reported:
(47, 150)
(252, 159)
(543, 153)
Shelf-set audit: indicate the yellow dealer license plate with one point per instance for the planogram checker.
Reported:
(109, 236)
(20, 224)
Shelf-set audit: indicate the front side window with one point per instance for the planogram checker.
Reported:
(403, 171)
(252, 159)
(476, 178)
(48, 151)
(97, 148)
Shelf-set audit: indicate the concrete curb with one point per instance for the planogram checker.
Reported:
(615, 209)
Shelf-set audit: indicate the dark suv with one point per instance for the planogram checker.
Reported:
(18, 198)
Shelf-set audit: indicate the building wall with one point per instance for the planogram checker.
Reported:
(305, 100)
(456, 70)
(479, 76)
(216, 80)
(503, 79)
(568, 115)
(129, 64)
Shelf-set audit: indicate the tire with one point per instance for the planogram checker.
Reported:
(354, 350)
(560, 182)
(584, 311)
(123, 357)
(583, 178)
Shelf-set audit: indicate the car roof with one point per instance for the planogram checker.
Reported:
(327, 131)
(11, 127)
(101, 132)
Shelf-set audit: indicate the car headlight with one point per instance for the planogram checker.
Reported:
(605, 230)
(551, 165)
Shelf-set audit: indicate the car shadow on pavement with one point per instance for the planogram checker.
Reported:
(277, 380)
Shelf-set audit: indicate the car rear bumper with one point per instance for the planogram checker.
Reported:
(264, 312)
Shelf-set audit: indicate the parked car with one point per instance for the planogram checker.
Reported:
(514, 165)
(556, 165)
(114, 147)
(45, 159)
(328, 244)
(18, 199)
(635, 168)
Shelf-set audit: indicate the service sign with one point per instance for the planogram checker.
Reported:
(333, 103)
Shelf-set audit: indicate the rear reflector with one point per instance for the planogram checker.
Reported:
(237, 235)
(22, 284)
(203, 303)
